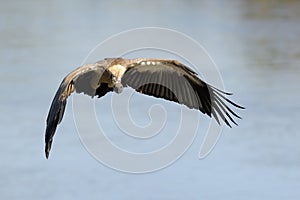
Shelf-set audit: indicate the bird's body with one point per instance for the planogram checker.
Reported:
(168, 79)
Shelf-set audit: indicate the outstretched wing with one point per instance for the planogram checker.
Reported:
(84, 79)
(173, 81)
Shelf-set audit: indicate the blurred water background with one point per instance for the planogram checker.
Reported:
(256, 47)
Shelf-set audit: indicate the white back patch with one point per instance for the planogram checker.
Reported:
(117, 70)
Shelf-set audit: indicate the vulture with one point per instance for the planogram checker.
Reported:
(161, 78)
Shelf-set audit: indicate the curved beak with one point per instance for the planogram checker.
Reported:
(118, 87)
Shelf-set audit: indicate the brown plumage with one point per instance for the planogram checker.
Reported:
(167, 79)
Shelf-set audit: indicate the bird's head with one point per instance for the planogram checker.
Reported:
(118, 87)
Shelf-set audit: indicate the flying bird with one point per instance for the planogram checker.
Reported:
(167, 79)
